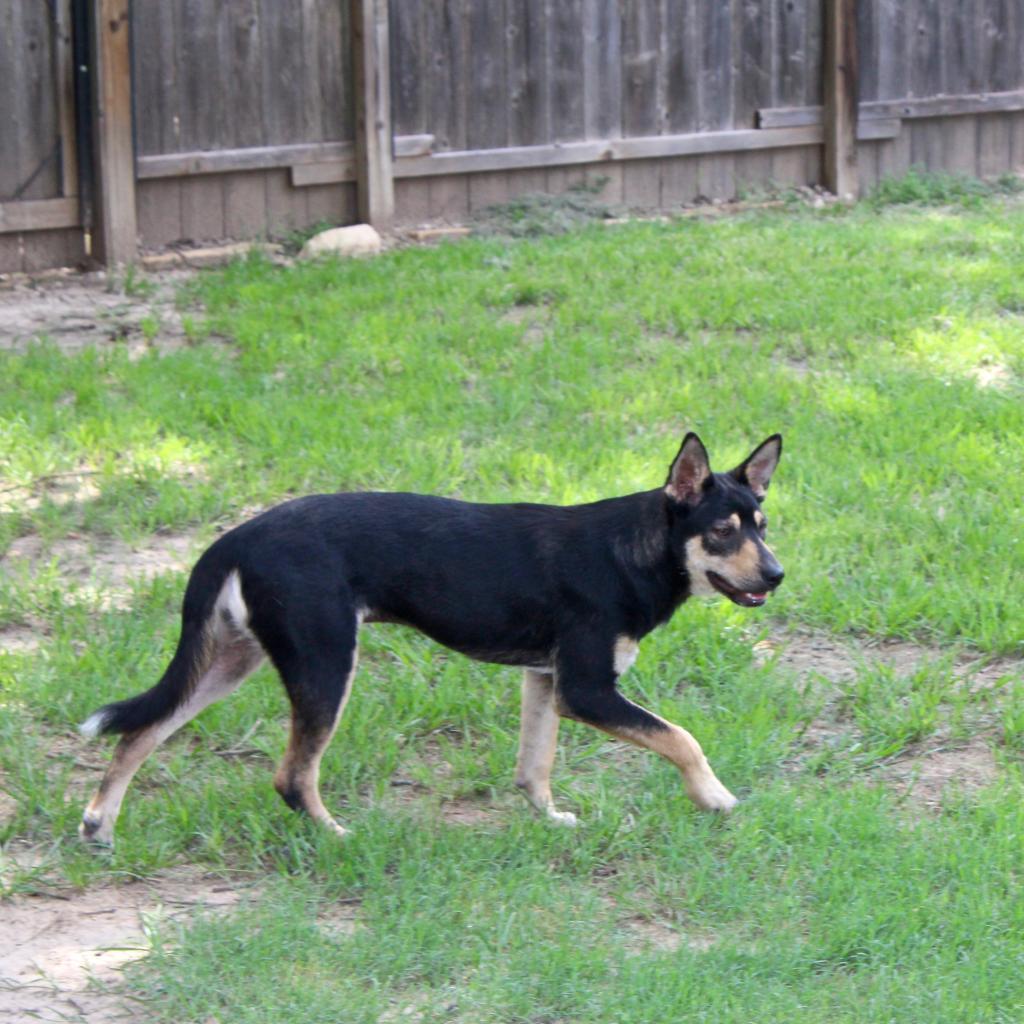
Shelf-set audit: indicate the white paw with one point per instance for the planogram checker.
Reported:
(711, 795)
(339, 830)
(564, 818)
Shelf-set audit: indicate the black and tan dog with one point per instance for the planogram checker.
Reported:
(565, 593)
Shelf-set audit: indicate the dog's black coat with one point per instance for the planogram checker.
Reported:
(545, 587)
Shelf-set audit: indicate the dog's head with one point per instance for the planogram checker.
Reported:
(717, 526)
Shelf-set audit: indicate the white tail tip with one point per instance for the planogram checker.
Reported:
(94, 724)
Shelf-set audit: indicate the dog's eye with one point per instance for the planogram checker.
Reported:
(723, 531)
(762, 529)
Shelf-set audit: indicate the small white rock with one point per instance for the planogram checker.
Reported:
(355, 240)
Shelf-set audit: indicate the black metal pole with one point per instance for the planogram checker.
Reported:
(82, 57)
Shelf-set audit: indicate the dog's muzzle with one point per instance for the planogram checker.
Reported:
(771, 577)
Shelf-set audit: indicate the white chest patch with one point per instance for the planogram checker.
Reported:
(625, 653)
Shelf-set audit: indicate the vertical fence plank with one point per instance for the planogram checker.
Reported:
(14, 128)
(565, 54)
(716, 173)
(927, 77)
(409, 67)
(282, 66)
(155, 36)
(642, 30)
(244, 65)
(789, 24)
(755, 77)
(681, 56)
(115, 232)
(446, 74)
(602, 69)
(892, 78)
(959, 134)
(641, 33)
(487, 114)
(682, 66)
(311, 93)
(36, 97)
(867, 49)
(204, 45)
(446, 107)
(375, 187)
(64, 74)
(527, 69)
(840, 87)
(754, 69)
(336, 69)
(1001, 60)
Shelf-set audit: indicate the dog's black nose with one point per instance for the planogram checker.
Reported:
(774, 577)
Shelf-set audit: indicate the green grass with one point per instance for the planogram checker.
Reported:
(938, 188)
(886, 343)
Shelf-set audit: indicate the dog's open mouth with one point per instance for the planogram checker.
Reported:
(745, 598)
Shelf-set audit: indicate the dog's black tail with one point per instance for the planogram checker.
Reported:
(190, 660)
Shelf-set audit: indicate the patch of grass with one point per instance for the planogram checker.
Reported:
(939, 188)
(537, 214)
(838, 912)
(859, 334)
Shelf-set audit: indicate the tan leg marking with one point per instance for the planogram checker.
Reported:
(230, 665)
(678, 746)
(298, 776)
(538, 738)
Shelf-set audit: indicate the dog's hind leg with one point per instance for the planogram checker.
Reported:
(538, 736)
(231, 659)
(317, 673)
(586, 682)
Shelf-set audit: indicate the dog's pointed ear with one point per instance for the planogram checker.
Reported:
(690, 473)
(756, 470)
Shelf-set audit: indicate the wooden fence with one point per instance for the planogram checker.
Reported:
(200, 120)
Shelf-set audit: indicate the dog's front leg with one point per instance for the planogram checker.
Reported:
(586, 680)
(538, 737)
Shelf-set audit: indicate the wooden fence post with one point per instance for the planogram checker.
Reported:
(115, 230)
(375, 187)
(841, 97)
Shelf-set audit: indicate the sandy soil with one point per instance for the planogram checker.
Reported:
(922, 773)
(78, 311)
(102, 570)
(60, 954)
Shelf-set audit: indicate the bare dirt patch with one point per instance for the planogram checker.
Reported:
(925, 771)
(19, 639)
(813, 655)
(645, 934)
(62, 954)
(535, 321)
(990, 373)
(95, 310)
(103, 569)
(459, 810)
(927, 776)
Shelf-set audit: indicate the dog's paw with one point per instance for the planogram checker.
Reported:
(332, 826)
(96, 832)
(564, 818)
(711, 795)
